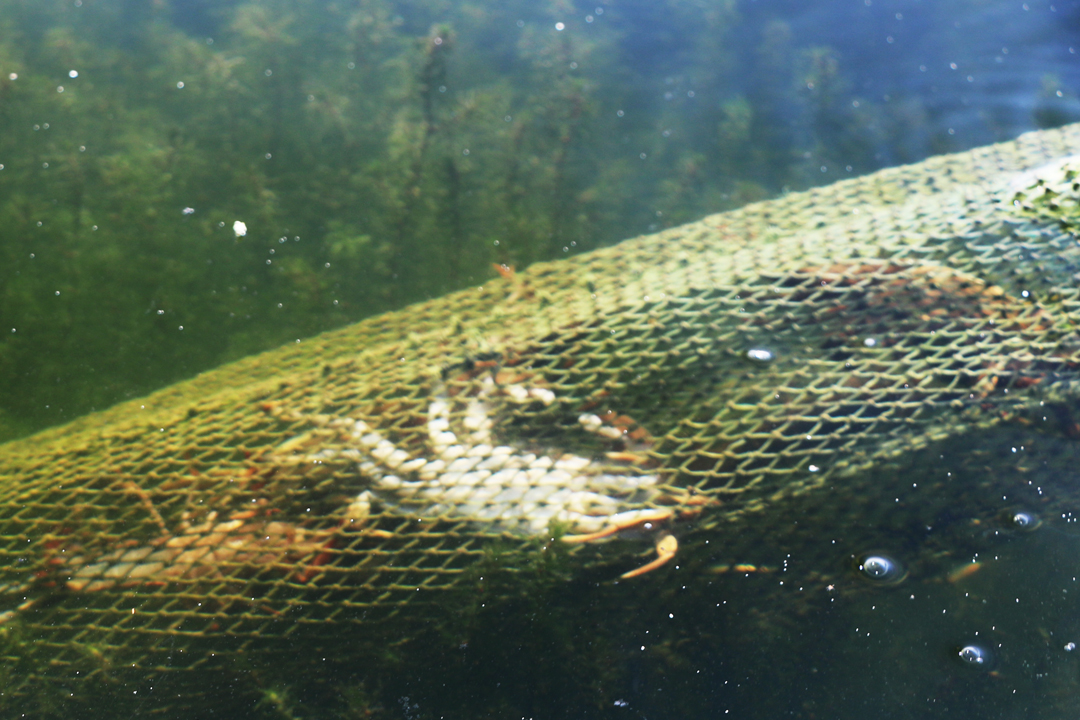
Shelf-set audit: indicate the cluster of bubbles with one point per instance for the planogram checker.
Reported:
(881, 568)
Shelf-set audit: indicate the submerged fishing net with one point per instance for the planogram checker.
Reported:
(298, 503)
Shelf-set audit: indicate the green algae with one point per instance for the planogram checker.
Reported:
(378, 152)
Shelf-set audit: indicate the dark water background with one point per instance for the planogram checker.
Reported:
(383, 152)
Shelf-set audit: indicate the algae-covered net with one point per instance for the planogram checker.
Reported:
(287, 504)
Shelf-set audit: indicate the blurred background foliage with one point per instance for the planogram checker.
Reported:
(381, 152)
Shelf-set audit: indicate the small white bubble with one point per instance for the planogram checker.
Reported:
(239, 228)
(760, 354)
(59, 88)
(188, 210)
(869, 342)
(560, 26)
(180, 85)
(73, 74)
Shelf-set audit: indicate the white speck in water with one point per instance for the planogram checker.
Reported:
(759, 354)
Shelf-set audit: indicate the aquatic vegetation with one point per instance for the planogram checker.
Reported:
(694, 424)
(377, 152)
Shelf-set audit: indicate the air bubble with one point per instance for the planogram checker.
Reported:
(761, 355)
(881, 569)
(1020, 519)
(975, 656)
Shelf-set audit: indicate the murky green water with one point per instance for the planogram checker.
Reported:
(185, 183)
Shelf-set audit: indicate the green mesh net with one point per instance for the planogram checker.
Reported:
(582, 412)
